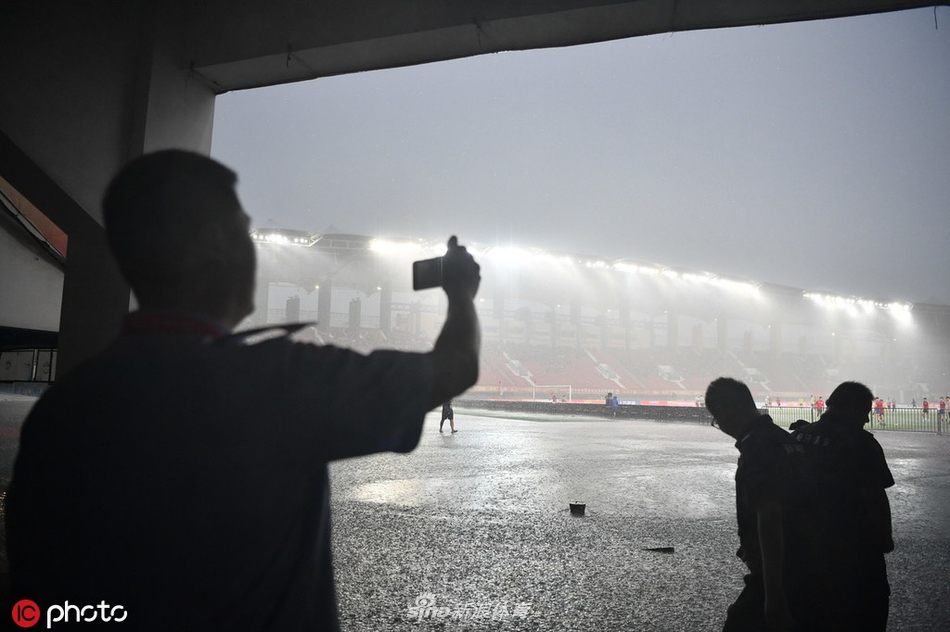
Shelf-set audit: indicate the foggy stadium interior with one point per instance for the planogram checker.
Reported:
(629, 327)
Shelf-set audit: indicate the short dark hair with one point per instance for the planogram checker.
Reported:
(157, 209)
(726, 393)
(851, 396)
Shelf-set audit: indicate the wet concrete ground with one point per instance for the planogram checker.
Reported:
(473, 531)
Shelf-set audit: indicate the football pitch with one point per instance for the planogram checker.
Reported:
(472, 531)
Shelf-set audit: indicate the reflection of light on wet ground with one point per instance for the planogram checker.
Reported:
(489, 491)
(920, 498)
(482, 516)
(620, 468)
(401, 492)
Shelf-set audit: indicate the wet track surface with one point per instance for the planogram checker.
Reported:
(473, 530)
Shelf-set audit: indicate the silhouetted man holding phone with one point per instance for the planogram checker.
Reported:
(183, 473)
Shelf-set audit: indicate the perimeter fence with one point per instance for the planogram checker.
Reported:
(905, 419)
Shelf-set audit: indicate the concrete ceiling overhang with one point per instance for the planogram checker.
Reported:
(237, 45)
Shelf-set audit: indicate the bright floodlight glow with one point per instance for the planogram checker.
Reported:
(513, 255)
(739, 287)
(855, 306)
(509, 255)
(636, 269)
(563, 260)
(696, 277)
(901, 313)
(293, 238)
(385, 246)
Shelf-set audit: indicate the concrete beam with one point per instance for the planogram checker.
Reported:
(258, 44)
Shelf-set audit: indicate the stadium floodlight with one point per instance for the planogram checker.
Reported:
(280, 236)
(855, 306)
(901, 313)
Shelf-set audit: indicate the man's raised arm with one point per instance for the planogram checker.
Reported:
(455, 354)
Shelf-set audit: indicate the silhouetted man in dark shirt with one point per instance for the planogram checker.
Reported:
(181, 473)
(856, 513)
(776, 533)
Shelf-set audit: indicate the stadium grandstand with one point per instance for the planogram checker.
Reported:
(570, 327)
(562, 326)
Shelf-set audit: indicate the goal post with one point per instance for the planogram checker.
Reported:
(548, 387)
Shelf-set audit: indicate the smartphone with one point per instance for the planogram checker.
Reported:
(427, 273)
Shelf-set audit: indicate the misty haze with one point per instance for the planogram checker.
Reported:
(766, 202)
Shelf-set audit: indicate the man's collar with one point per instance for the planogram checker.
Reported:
(755, 424)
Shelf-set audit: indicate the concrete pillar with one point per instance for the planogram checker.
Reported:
(324, 294)
(775, 339)
(134, 95)
(292, 310)
(697, 337)
(415, 318)
(625, 319)
(672, 330)
(261, 301)
(498, 311)
(95, 297)
(576, 311)
(355, 315)
(747, 340)
(386, 308)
